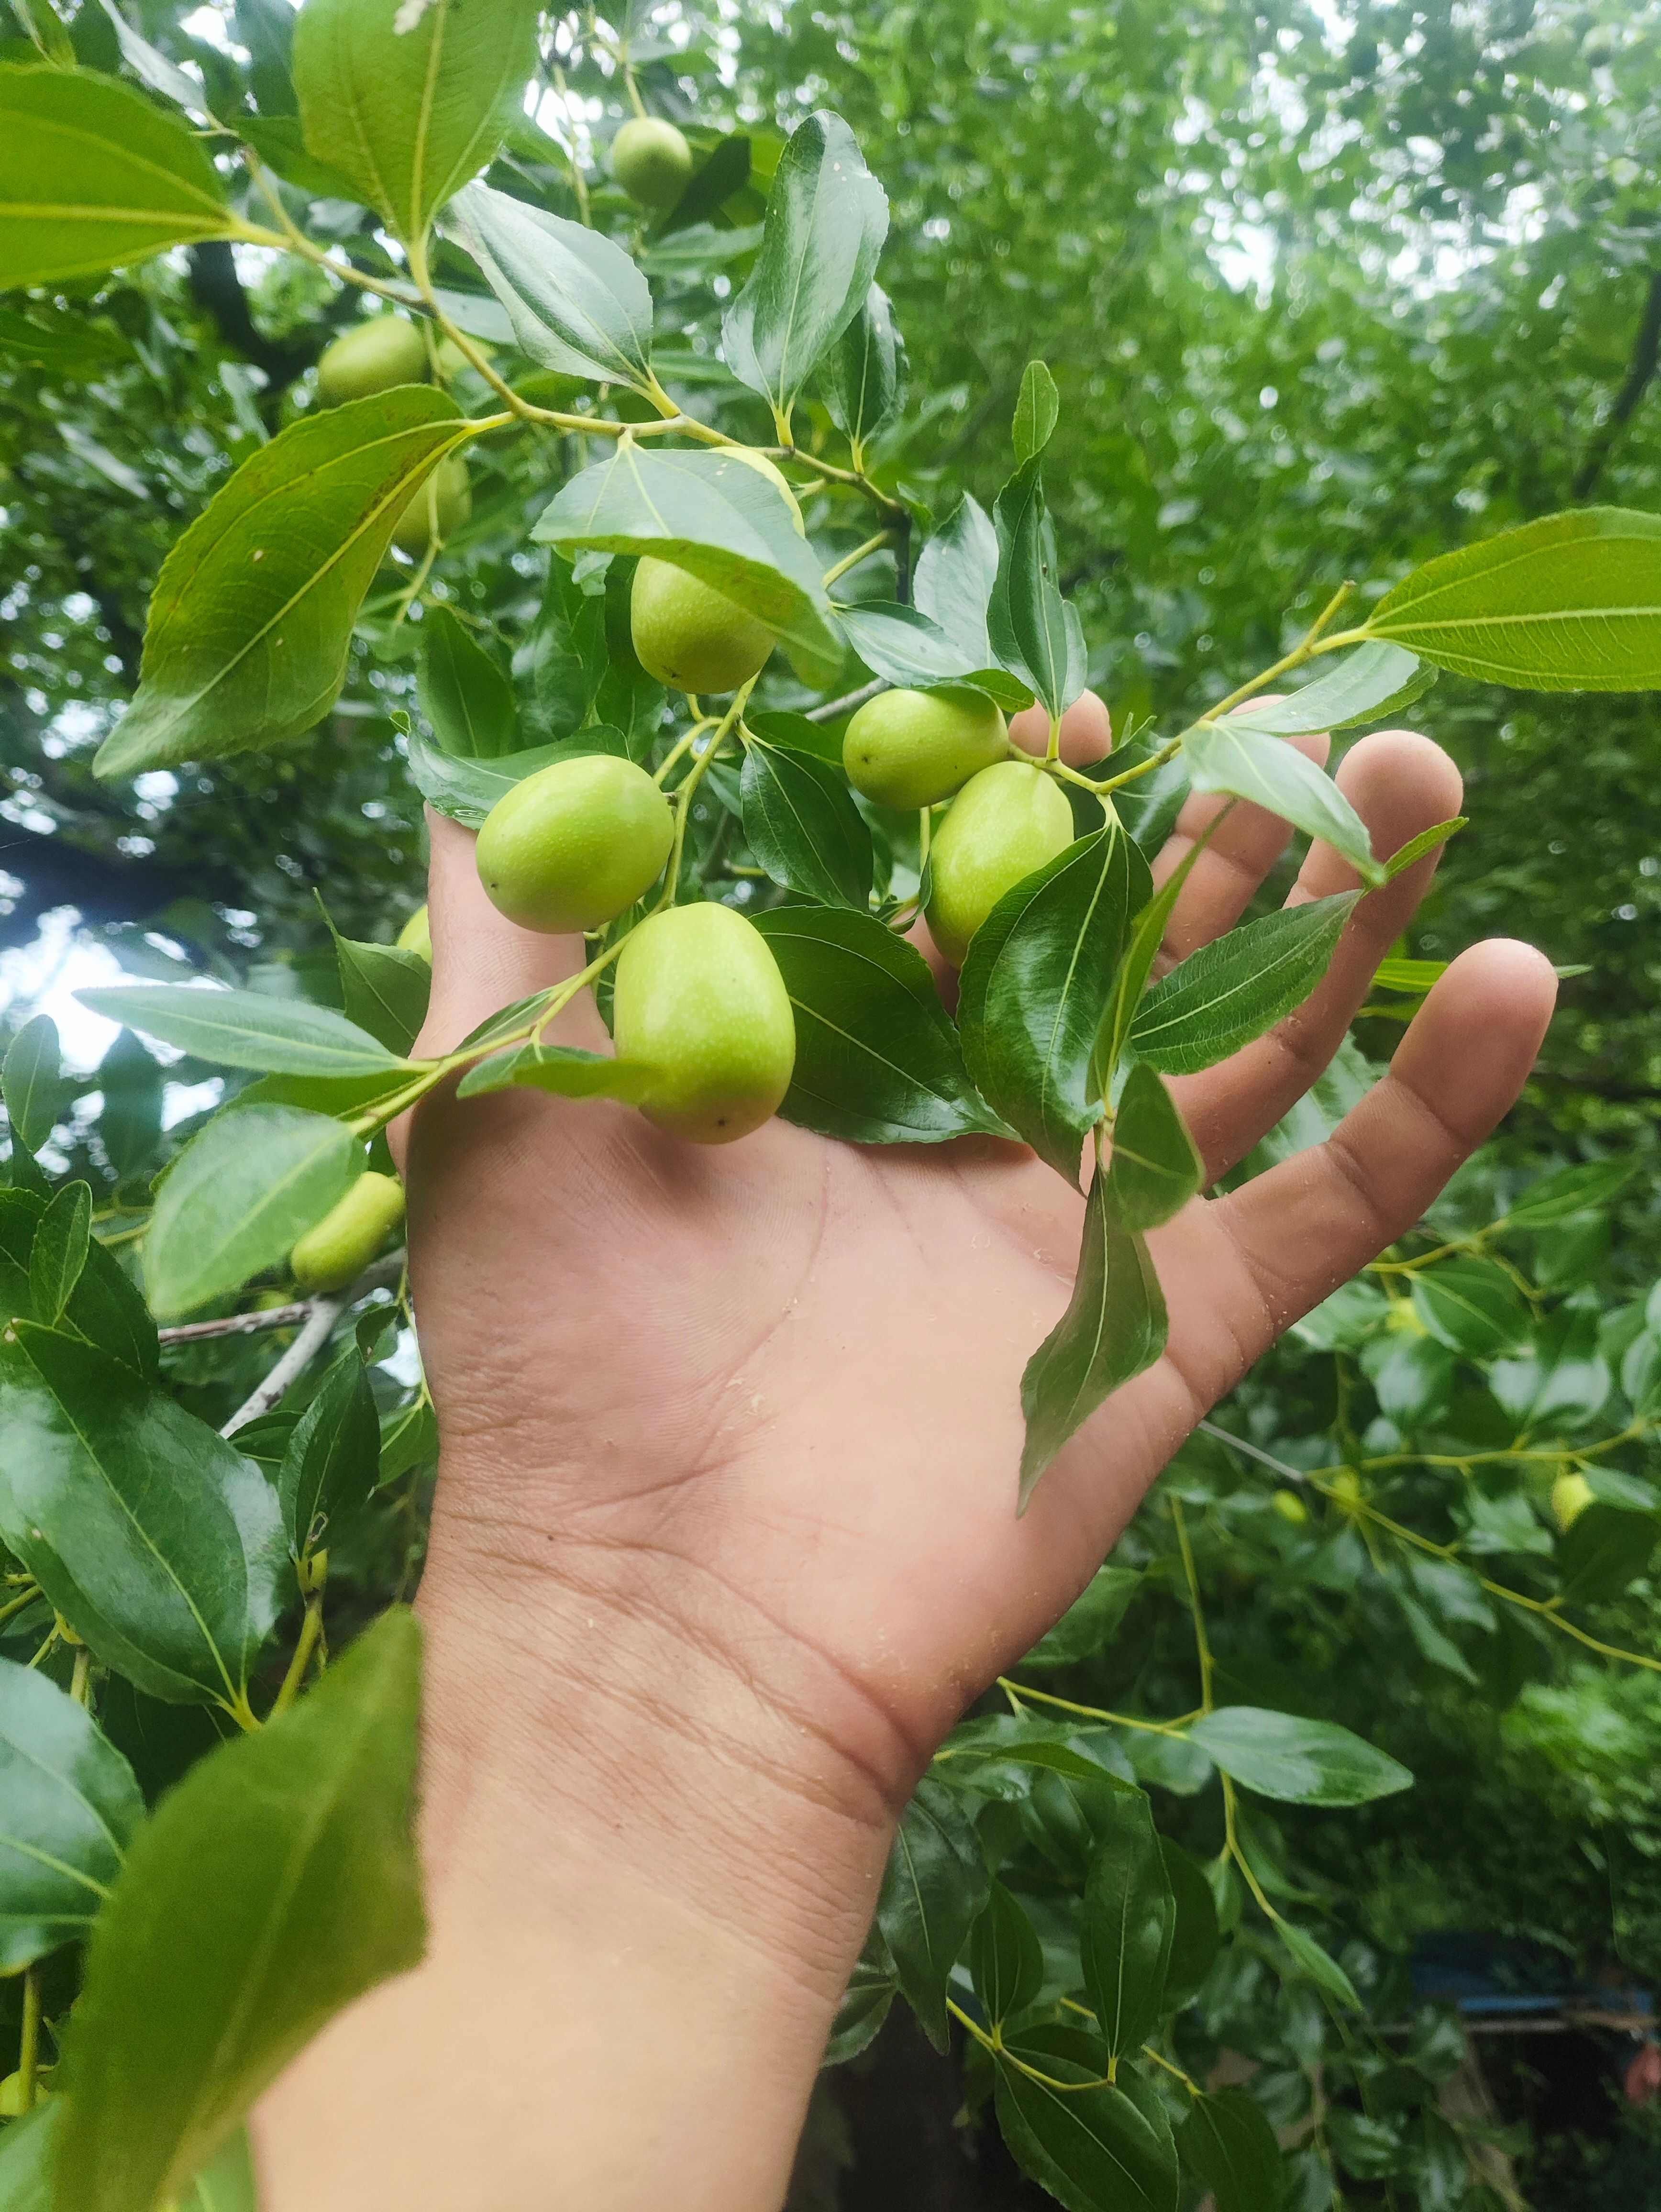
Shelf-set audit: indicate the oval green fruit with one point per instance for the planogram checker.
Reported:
(909, 748)
(1571, 1494)
(689, 636)
(763, 467)
(699, 1000)
(652, 161)
(373, 356)
(336, 1249)
(1005, 823)
(416, 935)
(1290, 1507)
(572, 846)
(439, 505)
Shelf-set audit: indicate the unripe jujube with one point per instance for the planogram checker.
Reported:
(416, 935)
(1005, 823)
(572, 846)
(700, 1000)
(1571, 1494)
(909, 748)
(652, 161)
(335, 1250)
(689, 636)
(372, 356)
(439, 506)
(750, 459)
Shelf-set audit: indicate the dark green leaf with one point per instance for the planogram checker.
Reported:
(861, 2013)
(725, 171)
(245, 1029)
(105, 1308)
(157, 1540)
(1114, 1327)
(957, 572)
(1367, 684)
(1090, 1621)
(1030, 627)
(1321, 1967)
(1037, 407)
(864, 373)
(1135, 968)
(569, 657)
(565, 1071)
(1472, 1306)
(239, 1197)
(1233, 989)
(1232, 756)
(1302, 1762)
(251, 616)
(465, 695)
(827, 217)
(386, 990)
(1195, 1939)
(1155, 1168)
(408, 1438)
(904, 646)
(1570, 1192)
(1228, 2144)
(1571, 602)
(577, 302)
(281, 145)
(1129, 1918)
(932, 1893)
(332, 1462)
(130, 1126)
(60, 1251)
(798, 735)
(1604, 1552)
(877, 1060)
(31, 1078)
(265, 27)
(1099, 2148)
(276, 1883)
(68, 1805)
(801, 823)
(1005, 1957)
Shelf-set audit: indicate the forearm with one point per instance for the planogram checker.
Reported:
(647, 1882)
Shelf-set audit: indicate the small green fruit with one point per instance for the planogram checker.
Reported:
(699, 998)
(1290, 1507)
(336, 1249)
(763, 467)
(1571, 1494)
(416, 935)
(573, 845)
(652, 161)
(438, 507)
(372, 356)
(689, 636)
(909, 748)
(1345, 1489)
(11, 2095)
(1005, 823)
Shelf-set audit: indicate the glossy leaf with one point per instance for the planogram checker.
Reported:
(251, 616)
(905, 647)
(713, 517)
(1239, 986)
(69, 1806)
(1038, 408)
(863, 375)
(932, 1893)
(157, 1540)
(409, 1439)
(465, 693)
(466, 790)
(565, 1071)
(332, 1461)
(1114, 1327)
(878, 1061)
(31, 1079)
(957, 572)
(864, 2008)
(1367, 684)
(93, 176)
(801, 823)
(59, 1252)
(1571, 602)
(1129, 1918)
(1037, 983)
(578, 304)
(1301, 1762)
(410, 102)
(1472, 1306)
(1195, 1937)
(568, 659)
(827, 217)
(152, 68)
(107, 1309)
(1231, 756)
(275, 1884)
(1140, 952)
(245, 1029)
(1227, 2141)
(1090, 1622)
(239, 1196)
(1096, 2146)
(386, 989)
(1322, 1968)
(1006, 1959)
(1034, 635)
(1407, 856)
(1155, 1167)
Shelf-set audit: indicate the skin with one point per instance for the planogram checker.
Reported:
(335, 1251)
(909, 748)
(570, 846)
(689, 636)
(725, 1541)
(372, 356)
(699, 994)
(651, 160)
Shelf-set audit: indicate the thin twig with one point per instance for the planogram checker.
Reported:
(846, 704)
(383, 1275)
(319, 1325)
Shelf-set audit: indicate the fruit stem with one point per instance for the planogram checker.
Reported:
(855, 478)
(873, 544)
(29, 2060)
(681, 797)
(310, 1628)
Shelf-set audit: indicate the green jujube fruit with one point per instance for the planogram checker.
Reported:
(335, 1250)
(911, 748)
(372, 356)
(572, 846)
(699, 1000)
(1005, 823)
(416, 935)
(652, 161)
(689, 636)
(438, 506)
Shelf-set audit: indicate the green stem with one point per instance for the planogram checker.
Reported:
(17, 1604)
(80, 1680)
(28, 2059)
(1022, 1690)
(1201, 1643)
(873, 544)
(310, 1628)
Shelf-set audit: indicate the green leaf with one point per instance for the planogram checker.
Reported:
(410, 113)
(129, 1125)
(563, 1070)
(1472, 1306)
(932, 1893)
(1135, 969)
(904, 646)
(863, 375)
(239, 1197)
(1231, 756)
(265, 27)
(1227, 2141)
(281, 145)
(957, 572)
(251, 616)
(1367, 684)
(860, 2016)
(1570, 1192)
(466, 790)
(1195, 1938)
(1129, 1919)
(157, 1541)
(1571, 602)
(1038, 408)
(1034, 635)
(1155, 1167)
(465, 693)
(1114, 1327)
(577, 303)
(1604, 1553)
(1321, 1967)
(801, 823)
(1037, 983)
(1100, 2147)
(332, 1461)
(28, 2148)
(151, 66)
(1237, 986)
(827, 217)
(227, 2183)
(569, 658)
(725, 171)
(1005, 1957)
(60, 1251)
(246, 1029)
(69, 1806)
(31, 1078)
(1301, 1762)
(41, 22)
(1091, 1621)
(105, 1308)
(878, 1061)
(93, 176)
(1406, 856)
(408, 1438)
(386, 990)
(274, 1885)
(713, 517)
